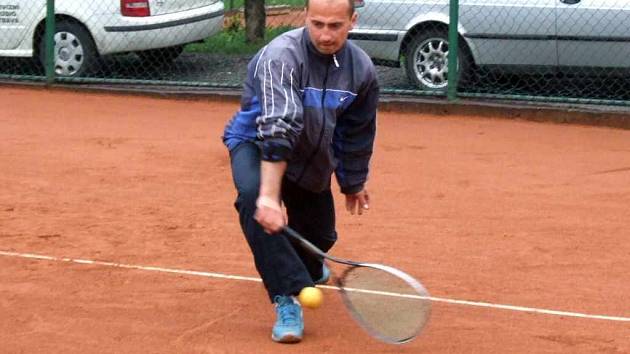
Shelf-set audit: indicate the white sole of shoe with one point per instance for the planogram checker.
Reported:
(289, 338)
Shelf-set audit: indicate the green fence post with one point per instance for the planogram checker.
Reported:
(49, 61)
(452, 49)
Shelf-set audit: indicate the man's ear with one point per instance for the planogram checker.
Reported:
(353, 20)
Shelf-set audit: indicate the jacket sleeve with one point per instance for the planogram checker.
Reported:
(280, 121)
(354, 138)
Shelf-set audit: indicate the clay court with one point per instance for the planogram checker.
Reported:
(117, 232)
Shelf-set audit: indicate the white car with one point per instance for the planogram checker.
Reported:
(85, 30)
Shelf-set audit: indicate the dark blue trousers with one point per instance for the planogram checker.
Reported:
(283, 265)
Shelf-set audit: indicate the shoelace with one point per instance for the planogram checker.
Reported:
(288, 313)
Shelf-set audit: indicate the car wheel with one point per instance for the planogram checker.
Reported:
(160, 56)
(75, 52)
(426, 61)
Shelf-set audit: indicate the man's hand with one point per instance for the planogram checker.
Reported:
(269, 214)
(358, 202)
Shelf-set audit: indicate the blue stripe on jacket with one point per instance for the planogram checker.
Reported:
(242, 127)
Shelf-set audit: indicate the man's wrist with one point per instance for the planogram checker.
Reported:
(268, 202)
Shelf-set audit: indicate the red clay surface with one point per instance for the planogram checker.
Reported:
(499, 211)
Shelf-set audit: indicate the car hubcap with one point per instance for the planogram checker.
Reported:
(431, 63)
(69, 52)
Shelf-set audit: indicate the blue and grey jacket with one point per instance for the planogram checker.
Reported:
(316, 111)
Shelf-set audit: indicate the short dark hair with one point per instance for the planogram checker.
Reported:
(350, 4)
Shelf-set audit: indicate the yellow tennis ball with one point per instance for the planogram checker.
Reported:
(311, 297)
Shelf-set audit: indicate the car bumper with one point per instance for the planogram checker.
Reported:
(128, 34)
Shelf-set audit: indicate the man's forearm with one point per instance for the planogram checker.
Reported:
(271, 174)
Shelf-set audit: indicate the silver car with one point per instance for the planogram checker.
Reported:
(517, 34)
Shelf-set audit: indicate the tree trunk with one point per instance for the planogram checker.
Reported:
(255, 20)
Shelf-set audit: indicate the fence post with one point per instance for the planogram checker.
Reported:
(49, 56)
(453, 48)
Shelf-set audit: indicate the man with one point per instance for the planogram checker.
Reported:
(308, 109)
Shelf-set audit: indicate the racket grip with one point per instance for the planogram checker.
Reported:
(305, 243)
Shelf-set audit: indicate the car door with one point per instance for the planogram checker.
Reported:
(17, 17)
(594, 33)
(510, 32)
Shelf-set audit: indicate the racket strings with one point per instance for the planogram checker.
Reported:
(386, 305)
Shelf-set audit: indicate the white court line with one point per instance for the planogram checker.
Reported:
(253, 279)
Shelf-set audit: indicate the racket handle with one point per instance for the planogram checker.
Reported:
(308, 245)
(314, 249)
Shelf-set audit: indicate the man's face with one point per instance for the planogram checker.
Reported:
(328, 23)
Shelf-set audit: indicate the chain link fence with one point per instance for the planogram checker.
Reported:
(554, 50)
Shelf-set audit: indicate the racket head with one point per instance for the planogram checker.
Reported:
(388, 303)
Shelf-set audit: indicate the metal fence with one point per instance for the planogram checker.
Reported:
(550, 50)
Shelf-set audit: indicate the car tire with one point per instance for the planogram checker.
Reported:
(426, 61)
(75, 52)
(161, 56)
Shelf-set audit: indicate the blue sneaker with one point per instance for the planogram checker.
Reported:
(289, 326)
(325, 275)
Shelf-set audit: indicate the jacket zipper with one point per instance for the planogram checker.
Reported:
(321, 132)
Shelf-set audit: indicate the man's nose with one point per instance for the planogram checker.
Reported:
(325, 35)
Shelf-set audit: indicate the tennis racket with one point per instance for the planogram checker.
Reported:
(388, 303)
